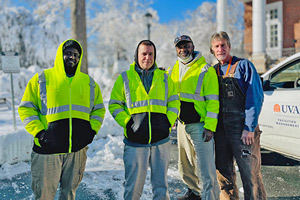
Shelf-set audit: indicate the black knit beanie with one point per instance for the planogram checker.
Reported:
(73, 44)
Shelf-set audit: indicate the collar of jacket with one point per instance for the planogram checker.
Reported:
(142, 71)
(196, 55)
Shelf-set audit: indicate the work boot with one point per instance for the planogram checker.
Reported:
(189, 195)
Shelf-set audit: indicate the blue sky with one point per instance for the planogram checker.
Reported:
(169, 10)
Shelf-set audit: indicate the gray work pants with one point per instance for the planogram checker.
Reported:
(136, 162)
(196, 159)
(50, 170)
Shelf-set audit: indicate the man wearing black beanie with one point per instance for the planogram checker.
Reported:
(145, 103)
(63, 109)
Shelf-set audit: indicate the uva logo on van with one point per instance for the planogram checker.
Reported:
(286, 109)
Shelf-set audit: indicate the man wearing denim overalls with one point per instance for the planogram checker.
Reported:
(237, 135)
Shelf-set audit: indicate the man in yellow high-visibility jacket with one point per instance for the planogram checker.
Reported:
(145, 103)
(198, 89)
(63, 109)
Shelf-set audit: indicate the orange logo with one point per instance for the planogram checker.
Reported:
(276, 108)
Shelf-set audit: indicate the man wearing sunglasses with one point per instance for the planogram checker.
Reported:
(197, 84)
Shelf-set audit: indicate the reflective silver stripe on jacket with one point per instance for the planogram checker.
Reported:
(212, 115)
(117, 111)
(173, 98)
(92, 93)
(212, 97)
(200, 79)
(27, 120)
(192, 96)
(96, 117)
(113, 101)
(127, 89)
(197, 96)
(143, 103)
(28, 104)
(64, 108)
(174, 110)
(166, 89)
(81, 109)
(98, 106)
(58, 109)
(157, 102)
(43, 93)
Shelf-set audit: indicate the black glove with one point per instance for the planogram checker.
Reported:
(46, 139)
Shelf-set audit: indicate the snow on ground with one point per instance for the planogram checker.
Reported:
(104, 169)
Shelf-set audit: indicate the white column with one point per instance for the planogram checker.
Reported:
(222, 15)
(258, 26)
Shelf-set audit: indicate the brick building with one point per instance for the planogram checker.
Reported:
(282, 27)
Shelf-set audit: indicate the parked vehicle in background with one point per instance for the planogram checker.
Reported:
(280, 116)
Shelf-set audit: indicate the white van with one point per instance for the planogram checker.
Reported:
(280, 116)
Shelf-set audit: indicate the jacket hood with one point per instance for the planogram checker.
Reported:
(136, 60)
(59, 61)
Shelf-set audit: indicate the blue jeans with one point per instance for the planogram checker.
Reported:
(196, 159)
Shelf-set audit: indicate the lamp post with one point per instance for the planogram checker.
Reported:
(148, 17)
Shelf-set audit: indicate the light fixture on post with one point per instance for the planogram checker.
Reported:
(148, 17)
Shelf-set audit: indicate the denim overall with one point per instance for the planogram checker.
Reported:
(229, 145)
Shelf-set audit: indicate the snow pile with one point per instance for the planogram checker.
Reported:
(15, 146)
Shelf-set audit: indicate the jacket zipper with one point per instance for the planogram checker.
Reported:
(149, 121)
(70, 120)
(150, 134)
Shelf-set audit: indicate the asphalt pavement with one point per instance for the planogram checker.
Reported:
(281, 176)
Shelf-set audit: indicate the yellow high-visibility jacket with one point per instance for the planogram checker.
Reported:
(145, 117)
(198, 92)
(71, 109)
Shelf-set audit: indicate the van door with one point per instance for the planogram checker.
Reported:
(280, 116)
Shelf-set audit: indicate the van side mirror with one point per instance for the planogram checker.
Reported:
(266, 85)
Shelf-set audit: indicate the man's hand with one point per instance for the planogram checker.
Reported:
(46, 139)
(247, 137)
(208, 134)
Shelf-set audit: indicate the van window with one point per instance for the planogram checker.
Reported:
(287, 76)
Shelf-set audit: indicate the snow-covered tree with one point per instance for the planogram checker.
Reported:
(35, 35)
(16, 23)
(52, 18)
(118, 25)
(201, 23)
(114, 29)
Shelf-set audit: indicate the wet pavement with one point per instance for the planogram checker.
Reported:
(281, 177)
